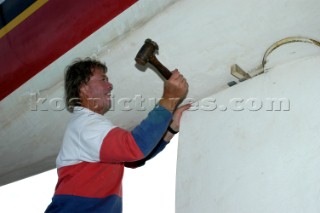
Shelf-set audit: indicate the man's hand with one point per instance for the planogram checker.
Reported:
(175, 124)
(175, 90)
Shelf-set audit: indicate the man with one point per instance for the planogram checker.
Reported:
(94, 152)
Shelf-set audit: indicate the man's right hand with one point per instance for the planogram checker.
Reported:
(175, 90)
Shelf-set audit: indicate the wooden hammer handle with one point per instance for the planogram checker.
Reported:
(161, 69)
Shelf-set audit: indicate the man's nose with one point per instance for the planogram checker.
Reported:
(110, 86)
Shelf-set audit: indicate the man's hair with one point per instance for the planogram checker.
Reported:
(77, 74)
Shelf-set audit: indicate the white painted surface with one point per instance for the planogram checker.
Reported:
(255, 159)
(202, 39)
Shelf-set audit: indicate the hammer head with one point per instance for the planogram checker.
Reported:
(147, 50)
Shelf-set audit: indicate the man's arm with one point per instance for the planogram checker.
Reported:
(120, 146)
(175, 125)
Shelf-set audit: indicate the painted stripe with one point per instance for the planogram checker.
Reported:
(47, 34)
(119, 146)
(20, 18)
(92, 180)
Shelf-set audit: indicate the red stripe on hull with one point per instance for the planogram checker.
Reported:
(47, 34)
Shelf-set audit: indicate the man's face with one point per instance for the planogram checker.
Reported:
(96, 94)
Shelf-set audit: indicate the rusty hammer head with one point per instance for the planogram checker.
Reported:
(147, 50)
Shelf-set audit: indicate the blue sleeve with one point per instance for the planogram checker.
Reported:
(160, 146)
(150, 131)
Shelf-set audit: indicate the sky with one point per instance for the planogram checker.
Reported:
(150, 188)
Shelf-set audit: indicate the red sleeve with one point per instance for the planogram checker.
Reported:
(119, 146)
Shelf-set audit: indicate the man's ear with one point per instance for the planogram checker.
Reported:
(84, 90)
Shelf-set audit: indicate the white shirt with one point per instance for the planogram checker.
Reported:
(83, 137)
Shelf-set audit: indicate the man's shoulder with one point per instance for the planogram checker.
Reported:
(84, 118)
